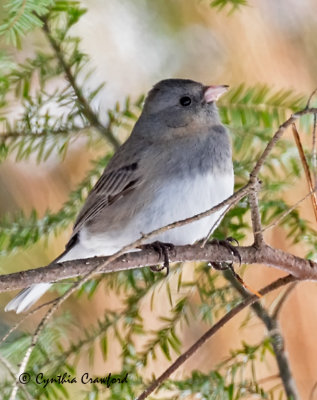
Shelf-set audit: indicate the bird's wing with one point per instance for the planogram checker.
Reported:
(111, 186)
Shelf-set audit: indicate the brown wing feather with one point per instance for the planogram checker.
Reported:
(109, 188)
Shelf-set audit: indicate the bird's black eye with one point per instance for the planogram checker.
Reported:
(185, 101)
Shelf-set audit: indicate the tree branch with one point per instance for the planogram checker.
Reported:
(278, 307)
(215, 328)
(278, 134)
(301, 268)
(288, 211)
(255, 214)
(305, 167)
(314, 151)
(54, 132)
(11, 371)
(85, 106)
(275, 333)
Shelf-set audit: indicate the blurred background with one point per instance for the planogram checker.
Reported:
(132, 45)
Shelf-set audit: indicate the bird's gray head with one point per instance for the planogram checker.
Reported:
(185, 106)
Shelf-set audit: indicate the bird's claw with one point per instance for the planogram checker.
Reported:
(227, 243)
(163, 250)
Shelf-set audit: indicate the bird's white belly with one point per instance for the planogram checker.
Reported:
(175, 201)
(181, 200)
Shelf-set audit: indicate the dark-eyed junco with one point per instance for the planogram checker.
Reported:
(176, 163)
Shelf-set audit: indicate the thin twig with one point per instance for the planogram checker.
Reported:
(306, 168)
(314, 152)
(278, 134)
(85, 106)
(310, 98)
(272, 326)
(288, 211)
(25, 317)
(58, 132)
(218, 220)
(268, 378)
(281, 302)
(188, 353)
(255, 215)
(17, 16)
(10, 368)
(28, 353)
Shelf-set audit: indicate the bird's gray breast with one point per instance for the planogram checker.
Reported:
(196, 155)
(192, 179)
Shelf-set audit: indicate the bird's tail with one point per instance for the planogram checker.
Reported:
(27, 297)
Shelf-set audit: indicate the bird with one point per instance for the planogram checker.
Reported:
(176, 163)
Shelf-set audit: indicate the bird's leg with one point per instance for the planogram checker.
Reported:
(222, 266)
(163, 250)
(227, 243)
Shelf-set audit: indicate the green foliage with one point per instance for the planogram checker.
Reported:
(26, 230)
(23, 16)
(230, 380)
(58, 354)
(258, 106)
(251, 113)
(233, 4)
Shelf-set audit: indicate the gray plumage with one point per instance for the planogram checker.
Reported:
(176, 163)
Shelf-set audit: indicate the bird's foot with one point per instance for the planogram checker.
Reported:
(227, 243)
(163, 250)
(222, 266)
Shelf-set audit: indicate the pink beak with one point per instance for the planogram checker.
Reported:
(212, 93)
